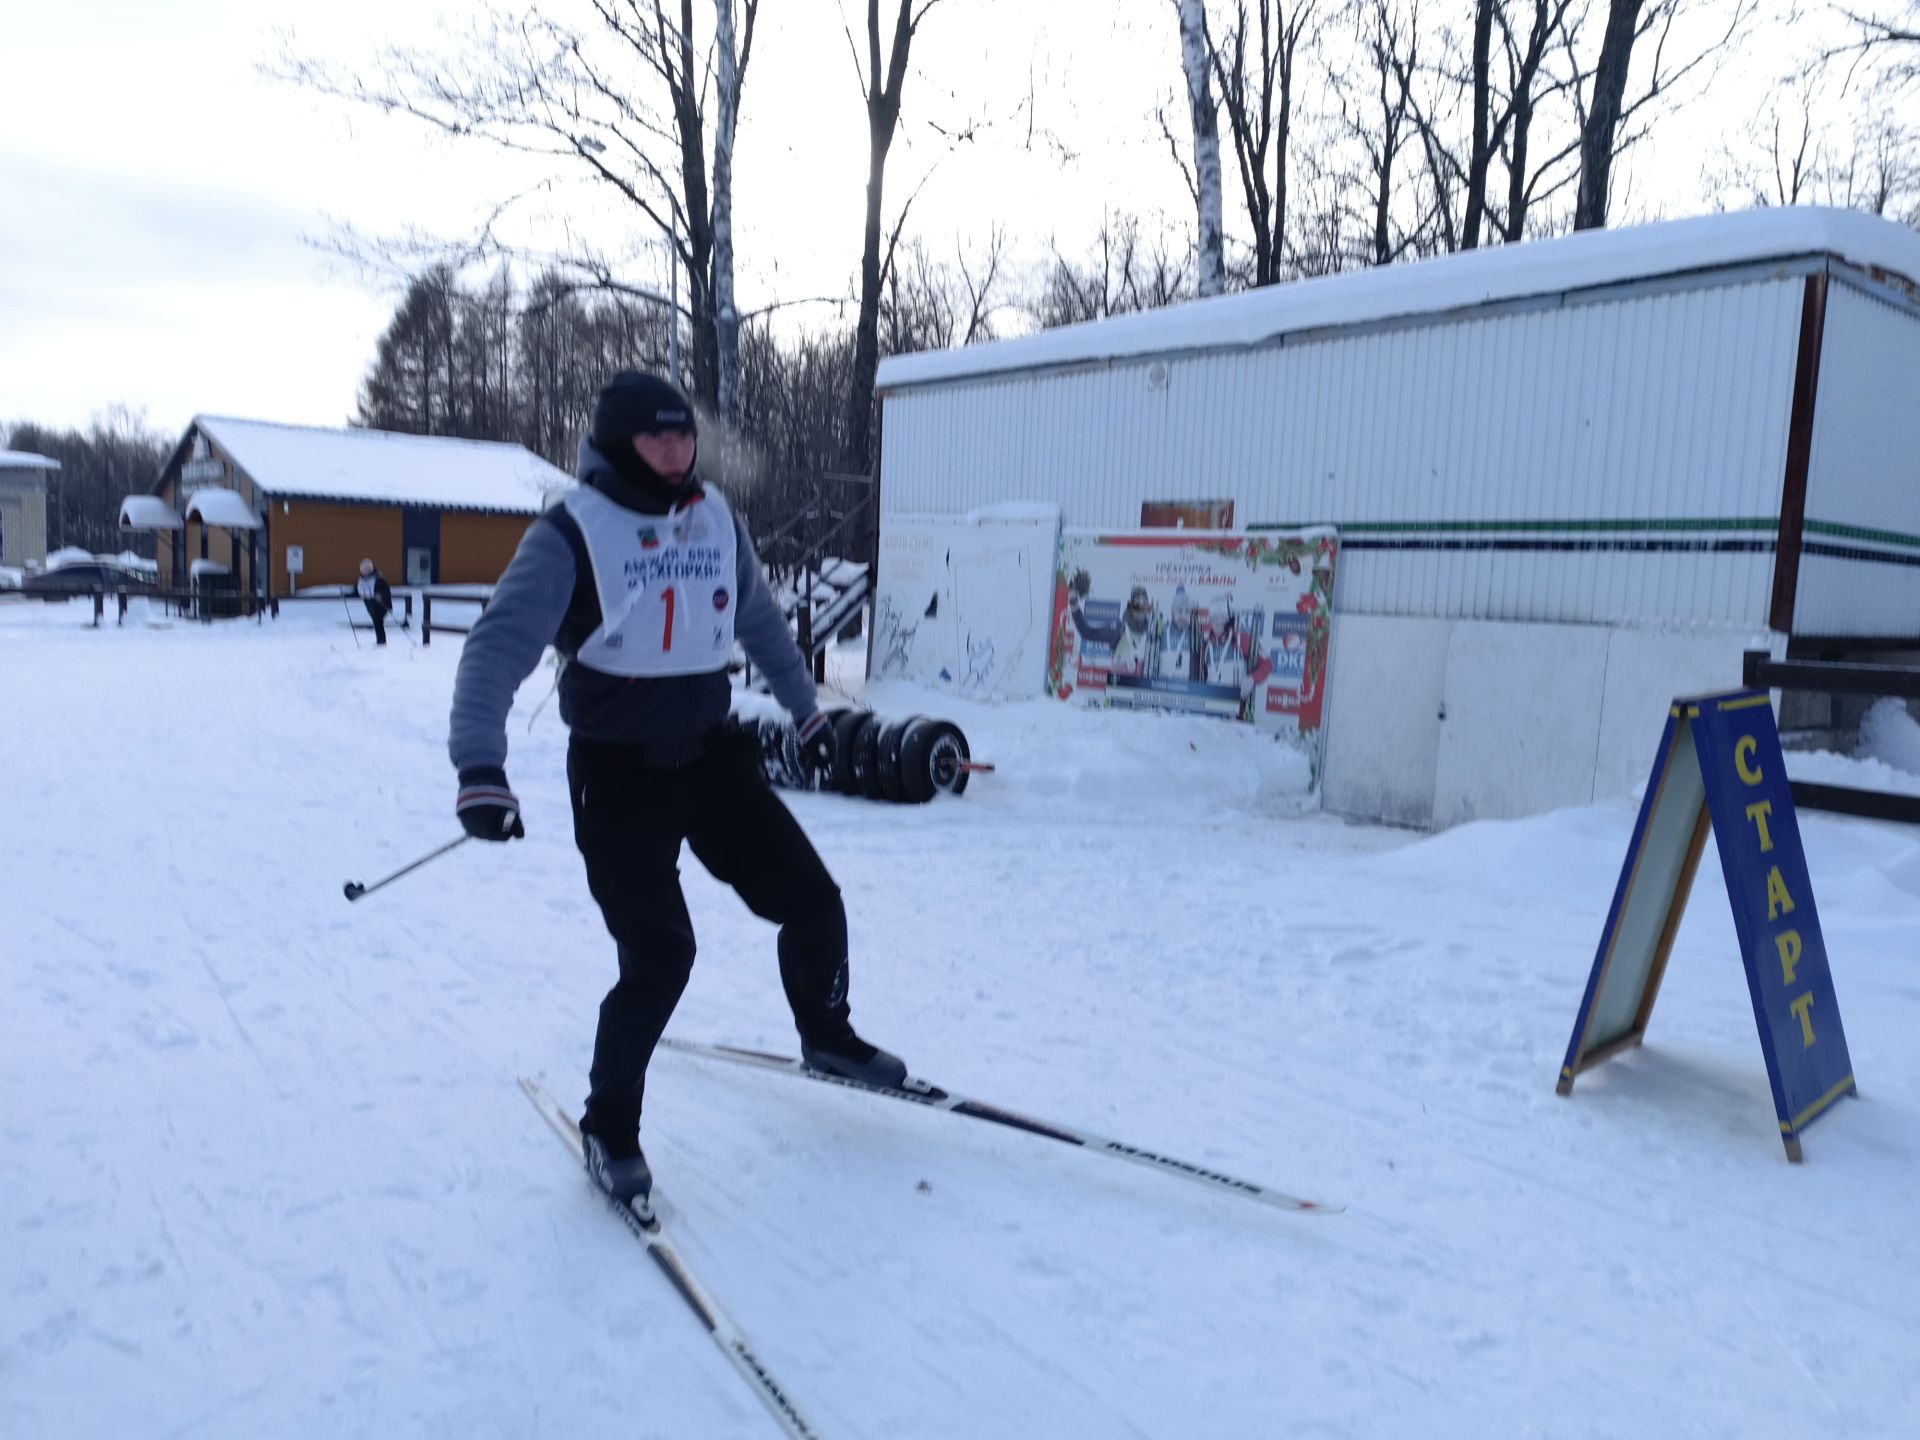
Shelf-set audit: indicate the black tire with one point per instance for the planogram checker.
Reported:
(866, 757)
(947, 756)
(845, 725)
(916, 782)
(890, 738)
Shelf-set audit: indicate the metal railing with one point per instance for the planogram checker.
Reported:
(1760, 671)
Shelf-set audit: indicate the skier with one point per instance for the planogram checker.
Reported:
(641, 577)
(1231, 655)
(1129, 637)
(1176, 653)
(378, 596)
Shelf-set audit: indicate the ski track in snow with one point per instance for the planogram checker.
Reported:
(268, 1171)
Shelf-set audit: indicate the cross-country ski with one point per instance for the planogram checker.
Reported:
(920, 1092)
(641, 1219)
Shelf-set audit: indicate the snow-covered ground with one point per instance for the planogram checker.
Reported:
(266, 1171)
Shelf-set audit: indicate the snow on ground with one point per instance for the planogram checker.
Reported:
(267, 1171)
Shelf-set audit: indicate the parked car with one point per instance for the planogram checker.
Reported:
(83, 577)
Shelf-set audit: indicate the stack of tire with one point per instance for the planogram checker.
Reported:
(907, 761)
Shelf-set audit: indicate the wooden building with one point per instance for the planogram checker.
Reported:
(281, 508)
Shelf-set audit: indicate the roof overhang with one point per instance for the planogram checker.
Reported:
(225, 508)
(149, 512)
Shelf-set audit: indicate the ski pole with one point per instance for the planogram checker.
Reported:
(354, 890)
(347, 605)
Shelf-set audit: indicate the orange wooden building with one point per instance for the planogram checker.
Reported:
(273, 509)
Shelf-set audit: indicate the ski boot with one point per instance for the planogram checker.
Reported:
(852, 1058)
(619, 1169)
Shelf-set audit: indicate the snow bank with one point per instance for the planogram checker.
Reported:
(1890, 734)
(1050, 757)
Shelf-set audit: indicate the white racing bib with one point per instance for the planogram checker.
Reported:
(665, 582)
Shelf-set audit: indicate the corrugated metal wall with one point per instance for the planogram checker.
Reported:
(1860, 560)
(1616, 459)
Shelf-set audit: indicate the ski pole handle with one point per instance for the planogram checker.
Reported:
(355, 891)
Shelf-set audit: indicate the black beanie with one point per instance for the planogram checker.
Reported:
(635, 403)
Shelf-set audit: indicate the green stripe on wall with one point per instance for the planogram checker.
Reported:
(1858, 532)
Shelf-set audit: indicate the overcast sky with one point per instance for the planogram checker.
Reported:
(160, 198)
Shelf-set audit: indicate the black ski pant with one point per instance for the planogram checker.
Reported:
(630, 815)
(378, 614)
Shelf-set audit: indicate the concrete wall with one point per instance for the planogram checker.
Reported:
(1436, 722)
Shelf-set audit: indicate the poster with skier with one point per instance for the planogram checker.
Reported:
(1210, 623)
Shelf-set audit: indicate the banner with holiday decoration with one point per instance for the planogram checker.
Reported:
(1211, 623)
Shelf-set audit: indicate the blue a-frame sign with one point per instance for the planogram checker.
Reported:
(1720, 769)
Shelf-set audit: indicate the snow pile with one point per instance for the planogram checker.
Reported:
(1890, 734)
(1049, 756)
(11, 577)
(68, 555)
(1825, 767)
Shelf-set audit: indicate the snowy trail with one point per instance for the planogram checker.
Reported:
(269, 1172)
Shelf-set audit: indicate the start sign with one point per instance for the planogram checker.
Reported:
(1720, 768)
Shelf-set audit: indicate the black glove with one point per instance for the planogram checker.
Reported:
(817, 747)
(486, 807)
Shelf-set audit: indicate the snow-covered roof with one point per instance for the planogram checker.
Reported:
(1454, 282)
(214, 506)
(379, 466)
(148, 512)
(26, 460)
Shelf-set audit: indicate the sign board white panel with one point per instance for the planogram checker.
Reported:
(965, 602)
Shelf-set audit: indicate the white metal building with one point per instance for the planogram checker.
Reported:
(1572, 478)
(23, 507)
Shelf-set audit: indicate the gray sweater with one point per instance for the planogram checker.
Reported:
(547, 597)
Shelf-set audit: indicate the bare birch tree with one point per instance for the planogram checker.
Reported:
(1196, 55)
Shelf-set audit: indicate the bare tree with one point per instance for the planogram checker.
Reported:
(1635, 28)
(726, 313)
(1500, 74)
(1196, 52)
(1122, 273)
(1377, 115)
(621, 103)
(933, 305)
(1887, 41)
(884, 83)
(1255, 61)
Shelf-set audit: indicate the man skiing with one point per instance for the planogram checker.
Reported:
(641, 577)
(378, 596)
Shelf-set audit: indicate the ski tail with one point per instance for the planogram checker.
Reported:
(644, 1223)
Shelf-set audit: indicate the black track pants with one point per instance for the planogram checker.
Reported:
(629, 822)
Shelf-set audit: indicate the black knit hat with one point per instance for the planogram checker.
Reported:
(636, 403)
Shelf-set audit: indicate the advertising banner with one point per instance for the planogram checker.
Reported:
(964, 601)
(1212, 623)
